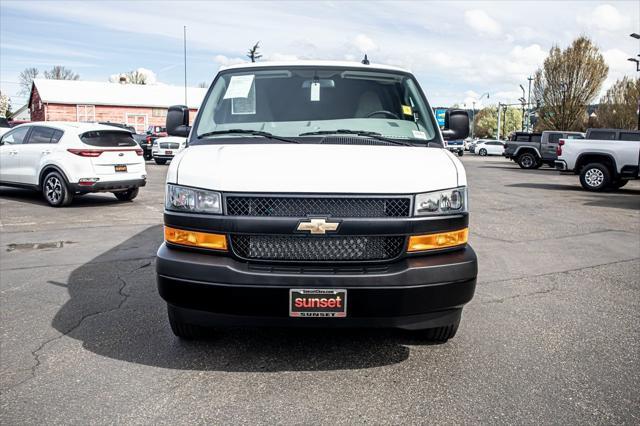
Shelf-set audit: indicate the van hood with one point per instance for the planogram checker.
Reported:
(316, 168)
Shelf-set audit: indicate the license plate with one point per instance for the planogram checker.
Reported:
(318, 303)
(168, 152)
(121, 167)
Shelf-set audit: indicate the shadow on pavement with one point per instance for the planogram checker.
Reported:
(35, 197)
(619, 198)
(115, 310)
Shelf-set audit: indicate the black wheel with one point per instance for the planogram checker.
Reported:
(161, 161)
(184, 330)
(527, 160)
(440, 334)
(482, 152)
(619, 183)
(595, 177)
(460, 153)
(127, 195)
(55, 190)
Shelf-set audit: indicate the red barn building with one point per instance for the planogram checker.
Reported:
(137, 105)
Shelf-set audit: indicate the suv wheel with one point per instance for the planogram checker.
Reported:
(184, 330)
(527, 160)
(440, 334)
(619, 183)
(127, 195)
(55, 190)
(482, 152)
(460, 153)
(595, 177)
(160, 161)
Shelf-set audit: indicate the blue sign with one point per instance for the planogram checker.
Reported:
(440, 112)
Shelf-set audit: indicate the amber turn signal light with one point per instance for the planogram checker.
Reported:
(195, 239)
(438, 241)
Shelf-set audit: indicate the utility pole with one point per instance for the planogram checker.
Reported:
(473, 119)
(529, 105)
(185, 65)
(498, 130)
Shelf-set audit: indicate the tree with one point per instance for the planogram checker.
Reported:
(486, 121)
(253, 52)
(26, 78)
(5, 105)
(618, 106)
(136, 77)
(203, 84)
(58, 72)
(568, 81)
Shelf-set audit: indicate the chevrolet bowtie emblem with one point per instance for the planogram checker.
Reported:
(318, 226)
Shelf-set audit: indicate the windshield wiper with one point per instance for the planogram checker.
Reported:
(374, 135)
(246, 132)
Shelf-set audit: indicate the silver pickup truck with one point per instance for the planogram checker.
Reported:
(606, 159)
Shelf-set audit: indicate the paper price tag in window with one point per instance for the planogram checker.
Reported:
(239, 86)
(419, 135)
(406, 110)
(315, 92)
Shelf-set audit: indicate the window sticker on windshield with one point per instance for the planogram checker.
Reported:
(246, 105)
(315, 91)
(419, 135)
(406, 110)
(239, 86)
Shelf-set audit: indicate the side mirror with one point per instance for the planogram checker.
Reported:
(456, 124)
(178, 121)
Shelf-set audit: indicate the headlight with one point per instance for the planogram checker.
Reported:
(182, 198)
(449, 201)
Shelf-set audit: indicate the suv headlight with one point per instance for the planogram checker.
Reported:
(449, 201)
(182, 198)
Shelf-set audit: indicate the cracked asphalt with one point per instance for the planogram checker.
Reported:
(551, 337)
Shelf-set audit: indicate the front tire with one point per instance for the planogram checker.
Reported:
(160, 161)
(56, 191)
(482, 152)
(460, 153)
(182, 329)
(127, 195)
(619, 183)
(527, 161)
(595, 177)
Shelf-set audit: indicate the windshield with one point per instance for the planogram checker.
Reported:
(294, 101)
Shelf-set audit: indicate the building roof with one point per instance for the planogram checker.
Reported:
(78, 92)
(314, 63)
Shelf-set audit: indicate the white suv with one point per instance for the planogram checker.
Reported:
(63, 159)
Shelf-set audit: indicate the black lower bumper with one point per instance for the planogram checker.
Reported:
(414, 293)
(116, 185)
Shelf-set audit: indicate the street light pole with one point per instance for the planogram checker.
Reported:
(473, 119)
(498, 130)
(637, 37)
(529, 106)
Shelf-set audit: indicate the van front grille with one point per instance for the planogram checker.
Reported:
(317, 249)
(318, 206)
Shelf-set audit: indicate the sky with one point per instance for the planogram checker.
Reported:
(458, 50)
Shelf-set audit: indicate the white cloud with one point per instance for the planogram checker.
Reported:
(619, 66)
(226, 61)
(605, 18)
(281, 57)
(364, 44)
(151, 77)
(480, 21)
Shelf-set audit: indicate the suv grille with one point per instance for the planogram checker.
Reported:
(169, 145)
(308, 206)
(310, 248)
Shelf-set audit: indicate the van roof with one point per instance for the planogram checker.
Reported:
(314, 63)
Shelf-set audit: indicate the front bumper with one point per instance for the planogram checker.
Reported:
(413, 293)
(107, 186)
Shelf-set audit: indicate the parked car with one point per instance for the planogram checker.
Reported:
(532, 150)
(4, 126)
(456, 146)
(606, 159)
(467, 143)
(63, 159)
(341, 209)
(146, 141)
(489, 147)
(164, 149)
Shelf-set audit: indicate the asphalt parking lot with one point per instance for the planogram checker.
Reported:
(552, 335)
